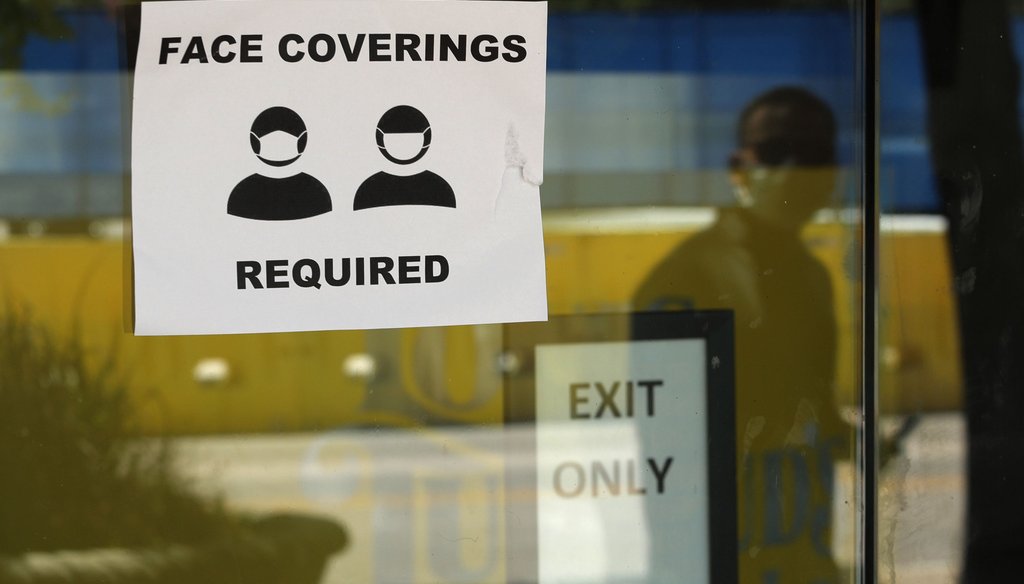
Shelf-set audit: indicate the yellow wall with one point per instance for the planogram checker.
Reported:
(296, 381)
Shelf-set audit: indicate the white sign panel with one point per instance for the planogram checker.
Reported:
(622, 465)
(331, 165)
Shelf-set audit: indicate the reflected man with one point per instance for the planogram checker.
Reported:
(752, 261)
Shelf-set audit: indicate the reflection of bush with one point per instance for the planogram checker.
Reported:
(83, 501)
(74, 477)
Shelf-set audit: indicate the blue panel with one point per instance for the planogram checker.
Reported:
(905, 177)
(728, 43)
(907, 183)
(903, 97)
(727, 56)
(1017, 30)
(683, 42)
(605, 42)
(92, 45)
(807, 44)
(627, 42)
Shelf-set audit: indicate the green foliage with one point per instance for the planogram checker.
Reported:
(74, 477)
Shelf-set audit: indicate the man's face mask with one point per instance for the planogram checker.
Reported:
(405, 147)
(278, 148)
(801, 190)
(766, 180)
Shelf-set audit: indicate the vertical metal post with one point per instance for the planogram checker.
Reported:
(867, 41)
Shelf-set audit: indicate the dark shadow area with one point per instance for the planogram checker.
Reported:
(973, 92)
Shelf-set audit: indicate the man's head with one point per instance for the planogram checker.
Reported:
(784, 166)
(278, 136)
(403, 134)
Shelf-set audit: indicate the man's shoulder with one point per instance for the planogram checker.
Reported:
(722, 241)
(697, 271)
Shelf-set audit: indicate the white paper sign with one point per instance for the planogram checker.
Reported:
(622, 465)
(337, 165)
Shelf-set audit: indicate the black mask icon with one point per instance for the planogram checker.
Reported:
(403, 137)
(278, 137)
(406, 122)
(285, 131)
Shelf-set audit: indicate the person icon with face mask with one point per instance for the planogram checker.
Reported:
(403, 137)
(278, 138)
